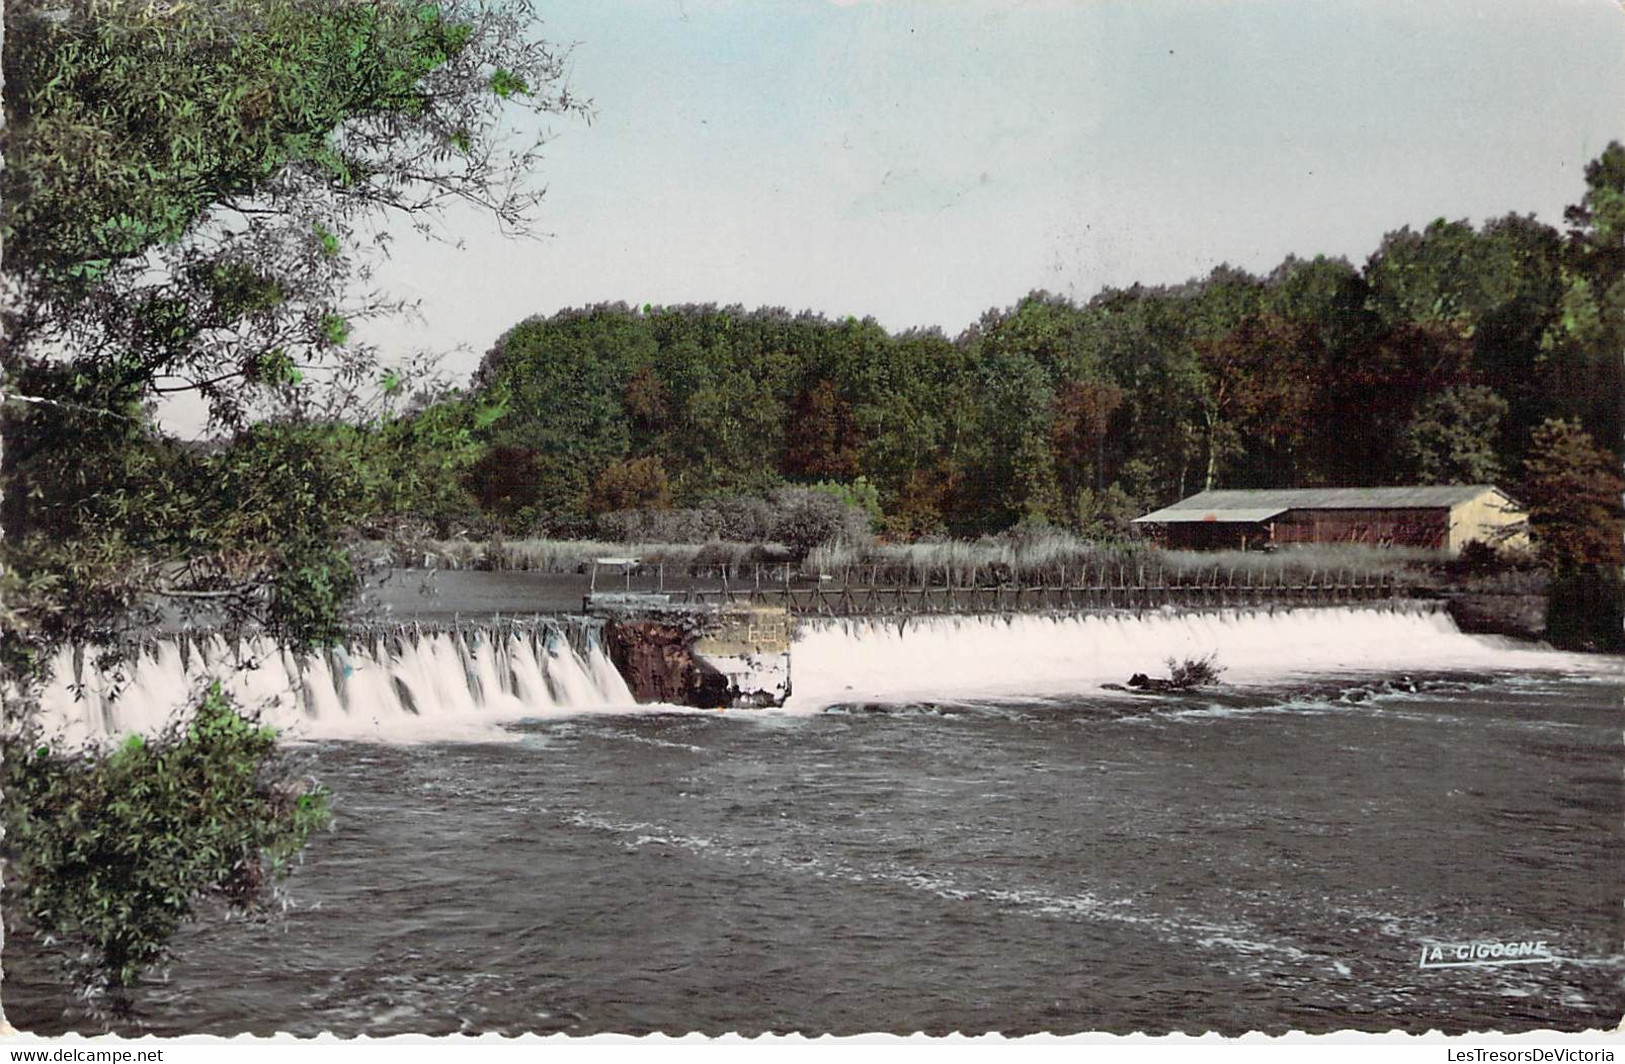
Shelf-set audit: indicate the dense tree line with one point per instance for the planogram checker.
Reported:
(1439, 361)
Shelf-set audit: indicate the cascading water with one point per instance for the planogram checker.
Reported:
(406, 684)
(951, 657)
(400, 685)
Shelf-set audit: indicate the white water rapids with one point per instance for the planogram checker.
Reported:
(1048, 655)
(408, 686)
(414, 686)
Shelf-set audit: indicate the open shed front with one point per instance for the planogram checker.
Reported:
(1183, 527)
(1216, 535)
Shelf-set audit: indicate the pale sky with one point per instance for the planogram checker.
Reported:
(922, 161)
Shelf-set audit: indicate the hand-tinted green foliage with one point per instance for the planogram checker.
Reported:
(182, 205)
(858, 495)
(127, 125)
(1582, 371)
(185, 207)
(110, 853)
(635, 484)
(124, 517)
(1572, 491)
(564, 379)
(1433, 364)
(1451, 437)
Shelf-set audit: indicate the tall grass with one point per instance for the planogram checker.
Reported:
(577, 555)
(1043, 557)
(1054, 556)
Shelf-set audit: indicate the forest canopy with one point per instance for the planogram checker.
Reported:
(1437, 361)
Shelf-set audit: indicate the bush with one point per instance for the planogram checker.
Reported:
(1586, 610)
(808, 518)
(1107, 516)
(658, 526)
(1030, 532)
(860, 494)
(744, 519)
(558, 524)
(112, 851)
(1478, 557)
(635, 484)
(1194, 672)
(798, 517)
(619, 526)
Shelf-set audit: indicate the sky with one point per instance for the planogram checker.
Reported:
(921, 162)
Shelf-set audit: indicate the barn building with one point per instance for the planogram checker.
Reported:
(1446, 518)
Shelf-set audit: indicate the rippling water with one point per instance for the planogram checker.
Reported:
(1268, 860)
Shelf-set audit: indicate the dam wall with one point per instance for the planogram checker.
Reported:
(410, 683)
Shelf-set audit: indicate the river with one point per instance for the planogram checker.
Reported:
(1273, 854)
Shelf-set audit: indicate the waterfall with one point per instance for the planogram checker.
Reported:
(406, 684)
(949, 657)
(400, 684)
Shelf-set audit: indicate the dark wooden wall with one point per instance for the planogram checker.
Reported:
(1379, 528)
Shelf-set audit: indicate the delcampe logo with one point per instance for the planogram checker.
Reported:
(1485, 954)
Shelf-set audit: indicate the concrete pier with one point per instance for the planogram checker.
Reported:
(712, 655)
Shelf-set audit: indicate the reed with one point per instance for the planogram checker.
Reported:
(577, 555)
(1045, 557)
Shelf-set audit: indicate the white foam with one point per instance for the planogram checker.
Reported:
(409, 687)
(414, 686)
(932, 658)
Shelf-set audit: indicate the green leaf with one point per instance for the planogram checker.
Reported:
(505, 84)
(335, 329)
(330, 242)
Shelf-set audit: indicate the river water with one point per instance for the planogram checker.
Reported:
(1273, 854)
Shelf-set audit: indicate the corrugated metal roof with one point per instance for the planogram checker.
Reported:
(1262, 504)
(1180, 513)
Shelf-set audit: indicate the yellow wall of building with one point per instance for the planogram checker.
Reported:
(1490, 518)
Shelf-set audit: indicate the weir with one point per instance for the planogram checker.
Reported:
(464, 680)
(389, 681)
(843, 660)
(855, 593)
